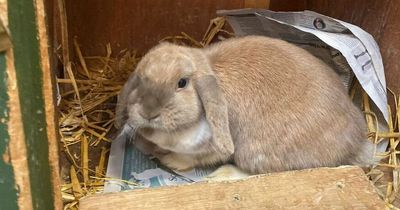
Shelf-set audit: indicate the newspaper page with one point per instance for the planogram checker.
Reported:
(130, 169)
(349, 50)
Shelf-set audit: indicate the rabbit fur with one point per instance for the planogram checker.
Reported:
(262, 103)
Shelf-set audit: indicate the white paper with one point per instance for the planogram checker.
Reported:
(142, 170)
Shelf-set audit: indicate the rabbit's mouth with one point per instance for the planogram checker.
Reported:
(168, 121)
(140, 122)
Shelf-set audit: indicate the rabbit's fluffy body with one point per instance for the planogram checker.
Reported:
(264, 103)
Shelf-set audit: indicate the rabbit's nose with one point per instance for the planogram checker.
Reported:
(149, 115)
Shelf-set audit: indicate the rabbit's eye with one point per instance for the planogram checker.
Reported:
(183, 83)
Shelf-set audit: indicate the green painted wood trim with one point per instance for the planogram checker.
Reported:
(8, 191)
(23, 29)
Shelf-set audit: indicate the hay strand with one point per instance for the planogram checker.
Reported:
(81, 59)
(100, 167)
(76, 187)
(85, 159)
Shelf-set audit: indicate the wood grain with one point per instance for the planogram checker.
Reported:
(17, 146)
(4, 13)
(389, 42)
(256, 4)
(8, 181)
(323, 188)
(138, 25)
(48, 86)
(29, 81)
(287, 5)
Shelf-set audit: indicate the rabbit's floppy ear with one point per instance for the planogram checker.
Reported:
(121, 112)
(216, 112)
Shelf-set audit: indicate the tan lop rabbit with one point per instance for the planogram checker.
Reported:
(263, 103)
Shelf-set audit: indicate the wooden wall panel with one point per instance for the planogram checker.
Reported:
(389, 42)
(30, 63)
(138, 24)
(287, 5)
(256, 3)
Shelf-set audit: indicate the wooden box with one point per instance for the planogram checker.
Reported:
(29, 147)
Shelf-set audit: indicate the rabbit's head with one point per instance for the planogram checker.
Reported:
(172, 88)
